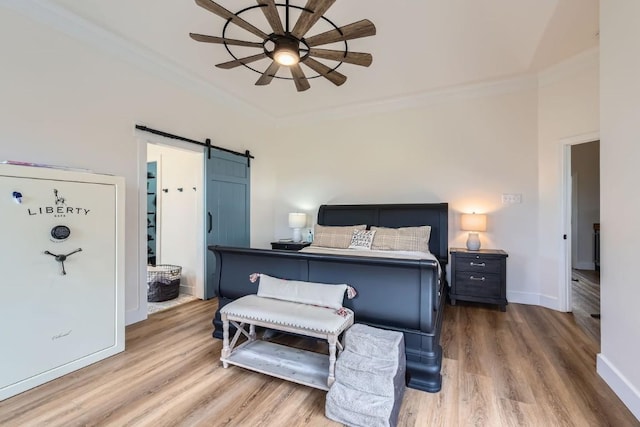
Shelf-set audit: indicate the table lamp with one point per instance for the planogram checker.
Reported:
(297, 220)
(473, 223)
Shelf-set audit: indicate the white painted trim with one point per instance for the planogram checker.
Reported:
(528, 298)
(564, 285)
(570, 67)
(66, 22)
(139, 312)
(419, 100)
(622, 387)
(551, 302)
(202, 251)
(585, 265)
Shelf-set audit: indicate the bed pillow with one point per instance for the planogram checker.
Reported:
(362, 239)
(401, 239)
(334, 236)
(321, 294)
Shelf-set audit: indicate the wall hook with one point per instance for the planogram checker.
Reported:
(180, 189)
(165, 190)
(194, 188)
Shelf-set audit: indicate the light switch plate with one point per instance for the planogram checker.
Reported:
(511, 198)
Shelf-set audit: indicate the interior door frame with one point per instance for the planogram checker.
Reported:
(566, 303)
(143, 140)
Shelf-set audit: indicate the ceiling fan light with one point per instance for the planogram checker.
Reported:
(286, 56)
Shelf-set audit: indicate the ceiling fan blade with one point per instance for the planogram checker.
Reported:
(268, 74)
(356, 58)
(271, 13)
(225, 14)
(364, 28)
(332, 75)
(308, 19)
(299, 78)
(241, 61)
(213, 39)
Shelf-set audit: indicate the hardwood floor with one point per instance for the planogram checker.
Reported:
(585, 295)
(529, 366)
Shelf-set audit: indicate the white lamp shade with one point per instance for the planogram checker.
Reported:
(297, 220)
(473, 222)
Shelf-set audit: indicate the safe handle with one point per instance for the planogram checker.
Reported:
(210, 222)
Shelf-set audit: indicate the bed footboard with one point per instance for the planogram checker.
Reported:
(395, 294)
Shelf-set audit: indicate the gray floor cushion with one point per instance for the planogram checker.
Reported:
(370, 378)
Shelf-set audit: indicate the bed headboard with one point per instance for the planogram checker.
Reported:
(399, 215)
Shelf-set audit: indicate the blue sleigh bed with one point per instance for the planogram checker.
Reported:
(403, 295)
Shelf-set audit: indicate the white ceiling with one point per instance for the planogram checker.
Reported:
(420, 45)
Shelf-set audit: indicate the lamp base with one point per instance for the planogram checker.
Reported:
(473, 242)
(297, 235)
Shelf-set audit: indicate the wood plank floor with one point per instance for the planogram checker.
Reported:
(529, 366)
(585, 294)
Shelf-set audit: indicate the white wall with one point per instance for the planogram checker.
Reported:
(620, 199)
(65, 102)
(567, 107)
(466, 151)
(179, 217)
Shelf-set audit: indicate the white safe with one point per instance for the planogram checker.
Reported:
(61, 273)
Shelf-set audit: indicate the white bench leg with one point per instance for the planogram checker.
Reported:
(252, 332)
(226, 351)
(332, 359)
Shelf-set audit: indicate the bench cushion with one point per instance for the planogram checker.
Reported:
(302, 316)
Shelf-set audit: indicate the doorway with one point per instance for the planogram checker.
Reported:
(175, 200)
(582, 190)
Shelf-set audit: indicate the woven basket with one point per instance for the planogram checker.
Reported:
(163, 282)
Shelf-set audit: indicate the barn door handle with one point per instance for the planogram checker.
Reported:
(210, 221)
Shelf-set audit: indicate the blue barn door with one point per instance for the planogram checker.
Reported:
(226, 207)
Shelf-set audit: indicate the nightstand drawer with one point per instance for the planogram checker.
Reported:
(477, 263)
(478, 284)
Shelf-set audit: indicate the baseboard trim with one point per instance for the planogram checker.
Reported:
(619, 384)
(189, 290)
(523, 298)
(585, 265)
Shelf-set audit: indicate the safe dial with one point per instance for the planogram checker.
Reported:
(60, 232)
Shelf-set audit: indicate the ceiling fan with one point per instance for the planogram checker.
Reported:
(288, 47)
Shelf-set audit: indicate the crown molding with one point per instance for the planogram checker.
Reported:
(416, 101)
(66, 22)
(588, 59)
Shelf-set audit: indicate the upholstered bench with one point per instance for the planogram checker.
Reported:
(304, 308)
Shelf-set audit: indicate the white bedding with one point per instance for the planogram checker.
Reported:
(373, 253)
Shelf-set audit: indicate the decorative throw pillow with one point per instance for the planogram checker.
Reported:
(401, 239)
(362, 239)
(334, 236)
(321, 294)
